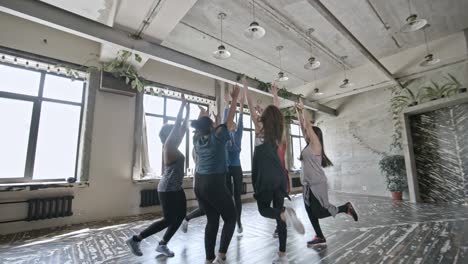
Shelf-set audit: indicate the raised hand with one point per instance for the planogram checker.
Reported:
(235, 92)
(244, 80)
(203, 111)
(274, 88)
(259, 109)
(300, 104)
(216, 118)
(241, 98)
(226, 97)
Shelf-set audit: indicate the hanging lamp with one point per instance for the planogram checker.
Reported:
(281, 76)
(316, 89)
(412, 23)
(346, 83)
(429, 59)
(312, 62)
(254, 31)
(221, 53)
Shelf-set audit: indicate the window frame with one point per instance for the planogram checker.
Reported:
(291, 142)
(166, 119)
(250, 130)
(35, 122)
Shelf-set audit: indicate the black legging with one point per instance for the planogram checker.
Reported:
(235, 172)
(194, 214)
(215, 200)
(265, 209)
(315, 211)
(174, 206)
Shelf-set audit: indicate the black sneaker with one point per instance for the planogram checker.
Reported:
(316, 241)
(134, 247)
(351, 211)
(275, 234)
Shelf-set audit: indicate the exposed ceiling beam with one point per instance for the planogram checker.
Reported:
(325, 12)
(63, 20)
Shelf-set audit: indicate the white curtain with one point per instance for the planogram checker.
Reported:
(145, 162)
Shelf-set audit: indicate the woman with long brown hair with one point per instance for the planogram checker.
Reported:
(268, 177)
(313, 178)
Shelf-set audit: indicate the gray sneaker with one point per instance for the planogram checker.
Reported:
(292, 218)
(163, 249)
(134, 247)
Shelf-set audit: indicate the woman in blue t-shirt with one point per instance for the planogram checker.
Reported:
(210, 181)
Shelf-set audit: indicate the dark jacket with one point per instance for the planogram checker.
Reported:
(267, 173)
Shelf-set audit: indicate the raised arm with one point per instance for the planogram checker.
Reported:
(203, 111)
(184, 126)
(274, 92)
(240, 119)
(299, 111)
(232, 108)
(226, 108)
(175, 136)
(314, 141)
(250, 103)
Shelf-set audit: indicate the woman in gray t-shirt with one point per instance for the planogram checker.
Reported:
(170, 191)
(313, 179)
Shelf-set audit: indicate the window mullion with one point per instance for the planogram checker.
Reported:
(34, 130)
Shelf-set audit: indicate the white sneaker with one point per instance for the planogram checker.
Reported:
(184, 226)
(219, 260)
(292, 218)
(163, 249)
(281, 259)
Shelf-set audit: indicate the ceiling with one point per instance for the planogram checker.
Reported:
(192, 27)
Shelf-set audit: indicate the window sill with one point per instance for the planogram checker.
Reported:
(148, 180)
(31, 186)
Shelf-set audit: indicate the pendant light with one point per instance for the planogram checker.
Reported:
(429, 59)
(254, 31)
(413, 23)
(221, 53)
(281, 76)
(316, 90)
(312, 62)
(346, 83)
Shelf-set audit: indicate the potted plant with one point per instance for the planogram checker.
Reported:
(393, 167)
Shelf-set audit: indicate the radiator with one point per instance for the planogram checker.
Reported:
(296, 182)
(52, 207)
(149, 198)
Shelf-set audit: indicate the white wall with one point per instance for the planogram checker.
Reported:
(368, 117)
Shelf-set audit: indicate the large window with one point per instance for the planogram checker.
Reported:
(40, 113)
(246, 147)
(159, 111)
(297, 144)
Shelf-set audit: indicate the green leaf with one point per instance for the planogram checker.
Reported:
(138, 57)
(133, 84)
(127, 80)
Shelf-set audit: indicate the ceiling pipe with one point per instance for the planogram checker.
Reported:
(57, 18)
(323, 10)
(285, 22)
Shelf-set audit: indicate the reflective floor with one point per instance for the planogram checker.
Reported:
(388, 232)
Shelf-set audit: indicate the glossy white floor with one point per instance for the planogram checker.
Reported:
(387, 232)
